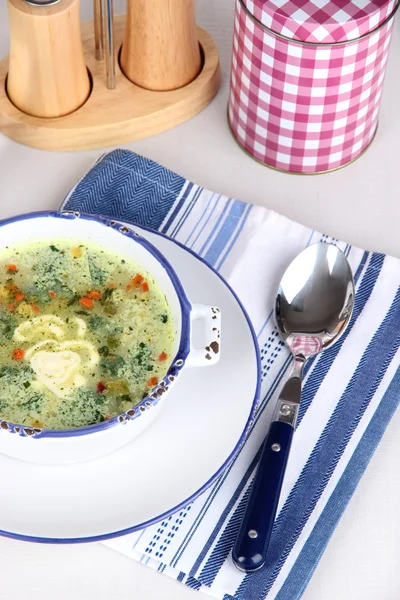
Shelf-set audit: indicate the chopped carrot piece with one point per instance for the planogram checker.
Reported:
(128, 287)
(35, 308)
(94, 295)
(145, 287)
(107, 418)
(12, 287)
(18, 354)
(137, 280)
(86, 302)
(152, 382)
(52, 294)
(163, 356)
(100, 387)
(19, 296)
(11, 307)
(12, 268)
(111, 286)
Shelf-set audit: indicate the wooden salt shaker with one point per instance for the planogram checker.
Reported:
(47, 73)
(160, 49)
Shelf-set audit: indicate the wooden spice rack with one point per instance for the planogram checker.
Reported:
(111, 117)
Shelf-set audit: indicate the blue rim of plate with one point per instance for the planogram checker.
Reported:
(210, 481)
(184, 344)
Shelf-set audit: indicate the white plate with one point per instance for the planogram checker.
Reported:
(196, 435)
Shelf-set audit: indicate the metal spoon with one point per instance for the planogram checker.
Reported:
(313, 306)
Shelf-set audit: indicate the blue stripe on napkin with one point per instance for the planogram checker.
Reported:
(316, 543)
(251, 247)
(128, 187)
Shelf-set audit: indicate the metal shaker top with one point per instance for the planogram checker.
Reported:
(41, 2)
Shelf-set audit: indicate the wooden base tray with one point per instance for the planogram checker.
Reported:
(111, 117)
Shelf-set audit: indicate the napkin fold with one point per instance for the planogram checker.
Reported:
(349, 396)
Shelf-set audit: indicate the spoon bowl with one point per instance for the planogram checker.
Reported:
(313, 306)
(315, 299)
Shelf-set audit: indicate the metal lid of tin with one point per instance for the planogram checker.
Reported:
(321, 21)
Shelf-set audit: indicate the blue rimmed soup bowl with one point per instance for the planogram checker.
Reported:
(62, 446)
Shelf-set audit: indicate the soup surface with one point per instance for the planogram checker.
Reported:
(85, 334)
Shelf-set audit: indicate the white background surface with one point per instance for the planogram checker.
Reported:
(360, 204)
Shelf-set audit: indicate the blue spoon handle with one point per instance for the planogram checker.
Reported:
(251, 546)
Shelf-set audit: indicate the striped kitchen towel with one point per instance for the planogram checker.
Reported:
(350, 392)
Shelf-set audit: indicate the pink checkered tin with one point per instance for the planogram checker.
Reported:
(307, 79)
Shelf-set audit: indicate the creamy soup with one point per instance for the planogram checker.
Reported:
(85, 334)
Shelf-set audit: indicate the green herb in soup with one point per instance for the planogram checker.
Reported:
(85, 334)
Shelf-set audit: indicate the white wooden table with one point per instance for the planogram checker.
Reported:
(360, 204)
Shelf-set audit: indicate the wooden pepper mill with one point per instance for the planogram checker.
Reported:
(160, 49)
(47, 74)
